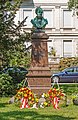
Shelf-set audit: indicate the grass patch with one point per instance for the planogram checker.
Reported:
(69, 89)
(12, 112)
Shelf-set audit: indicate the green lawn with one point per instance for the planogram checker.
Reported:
(13, 112)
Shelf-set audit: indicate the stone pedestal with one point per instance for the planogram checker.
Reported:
(39, 76)
(39, 50)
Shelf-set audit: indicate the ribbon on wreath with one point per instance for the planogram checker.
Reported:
(24, 102)
(55, 102)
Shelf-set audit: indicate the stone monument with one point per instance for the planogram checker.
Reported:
(39, 77)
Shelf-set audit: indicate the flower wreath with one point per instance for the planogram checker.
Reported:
(28, 99)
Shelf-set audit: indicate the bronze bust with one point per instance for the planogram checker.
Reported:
(39, 22)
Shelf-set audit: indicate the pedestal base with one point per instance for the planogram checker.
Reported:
(39, 79)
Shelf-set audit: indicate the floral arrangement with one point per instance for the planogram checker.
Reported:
(53, 92)
(27, 96)
(28, 99)
(55, 95)
(52, 97)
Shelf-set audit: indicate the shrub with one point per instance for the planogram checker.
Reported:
(67, 62)
(6, 85)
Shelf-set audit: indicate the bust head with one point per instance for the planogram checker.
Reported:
(39, 22)
(39, 12)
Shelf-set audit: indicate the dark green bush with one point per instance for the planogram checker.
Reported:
(6, 85)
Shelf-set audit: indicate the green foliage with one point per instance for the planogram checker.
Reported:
(18, 57)
(68, 62)
(6, 85)
(52, 51)
(73, 3)
(69, 89)
(12, 48)
(9, 85)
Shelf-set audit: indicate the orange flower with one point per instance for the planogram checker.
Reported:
(25, 95)
(32, 99)
(22, 89)
(30, 93)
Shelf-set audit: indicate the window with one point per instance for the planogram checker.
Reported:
(67, 48)
(70, 70)
(67, 18)
(28, 20)
(48, 14)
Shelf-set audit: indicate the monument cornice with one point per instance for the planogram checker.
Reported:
(39, 35)
(50, 4)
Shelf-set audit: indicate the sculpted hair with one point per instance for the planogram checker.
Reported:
(38, 9)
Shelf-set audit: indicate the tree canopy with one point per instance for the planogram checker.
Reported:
(73, 3)
(12, 47)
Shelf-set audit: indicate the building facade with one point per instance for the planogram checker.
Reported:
(62, 25)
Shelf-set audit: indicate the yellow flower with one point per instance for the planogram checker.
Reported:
(22, 89)
(29, 98)
(36, 100)
(46, 95)
(45, 103)
(25, 95)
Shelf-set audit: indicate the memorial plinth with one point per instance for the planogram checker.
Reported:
(39, 76)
